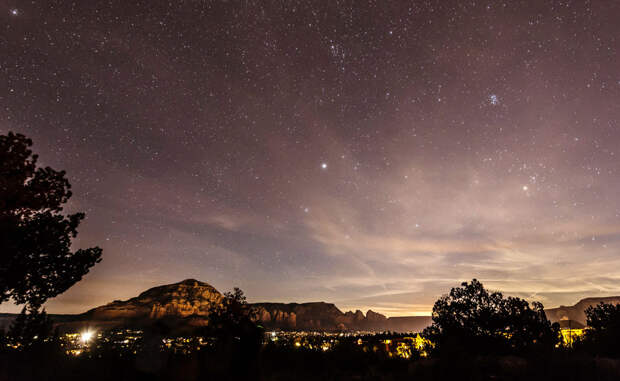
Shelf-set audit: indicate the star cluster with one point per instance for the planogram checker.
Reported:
(371, 154)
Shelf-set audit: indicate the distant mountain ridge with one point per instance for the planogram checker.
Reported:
(186, 305)
(326, 316)
(577, 311)
(188, 302)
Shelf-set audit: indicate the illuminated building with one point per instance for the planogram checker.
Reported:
(571, 331)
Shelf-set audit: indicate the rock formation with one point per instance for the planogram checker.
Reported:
(189, 302)
(326, 316)
(318, 315)
(187, 298)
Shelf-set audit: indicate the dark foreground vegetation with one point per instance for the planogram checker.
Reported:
(273, 363)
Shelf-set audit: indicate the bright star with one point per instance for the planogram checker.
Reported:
(323, 165)
(525, 187)
(14, 11)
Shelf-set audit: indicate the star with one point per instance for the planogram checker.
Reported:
(323, 165)
(494, 99)
(14, 11)
(525, 188)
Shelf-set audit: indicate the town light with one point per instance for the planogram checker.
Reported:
(86, 336)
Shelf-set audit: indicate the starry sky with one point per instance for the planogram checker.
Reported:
(366, 153)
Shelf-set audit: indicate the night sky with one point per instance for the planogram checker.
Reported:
(369, 154)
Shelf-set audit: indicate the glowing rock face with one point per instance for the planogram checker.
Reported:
(186, 298)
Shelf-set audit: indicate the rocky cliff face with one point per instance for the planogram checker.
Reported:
(187, 298)
(188, 303)
(298, 316)
(326, 316)
(577, 312)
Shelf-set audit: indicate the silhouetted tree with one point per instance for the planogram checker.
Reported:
(36, 262)
(31, 327)
(232, 312)
(603, 334)
(238, 337)
(472, 320)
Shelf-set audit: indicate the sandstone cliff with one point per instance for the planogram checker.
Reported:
(180, 300)
(188, 303)
(326, 316)
(317, 315)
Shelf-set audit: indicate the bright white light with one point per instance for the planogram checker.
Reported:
(525, 187)
(494, 99)
(14, 11)
(323, 165)
(86, 336)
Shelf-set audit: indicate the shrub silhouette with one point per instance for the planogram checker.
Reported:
(31, 327)
(472, 320)
(603, 334)
(238, 338)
